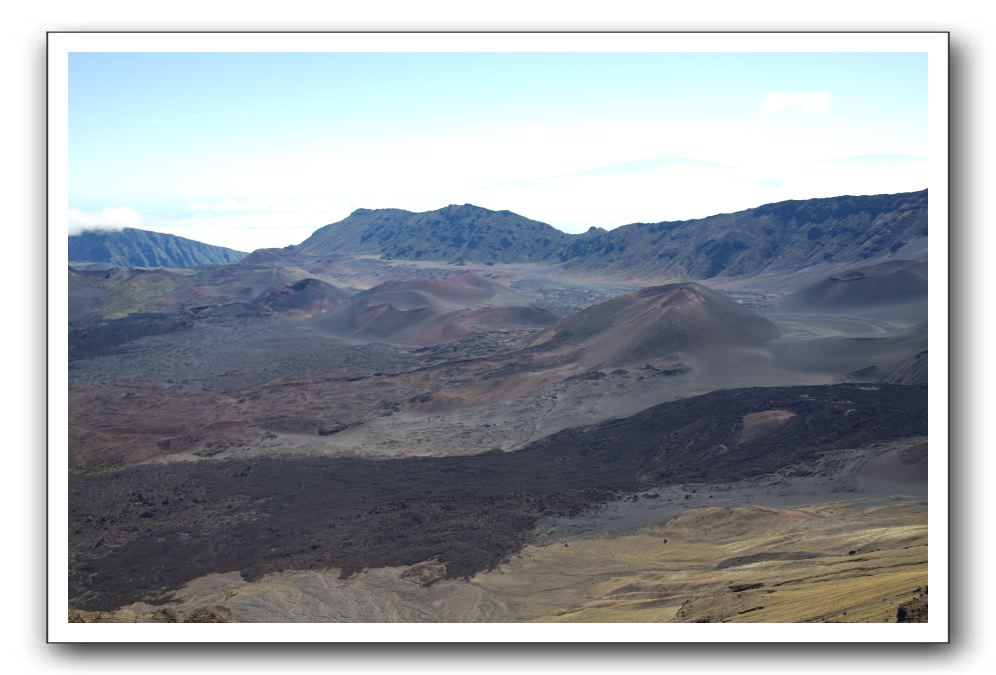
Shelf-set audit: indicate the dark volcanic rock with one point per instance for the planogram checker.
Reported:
(468, 513)
(95, 338)
(425, 573)
(914, 611)
(739, 588)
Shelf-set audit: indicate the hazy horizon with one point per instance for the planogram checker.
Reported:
(113, 215)
(252, 150)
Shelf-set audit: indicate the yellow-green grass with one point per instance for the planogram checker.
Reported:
(865, 561)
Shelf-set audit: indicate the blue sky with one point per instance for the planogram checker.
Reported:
(259, 149)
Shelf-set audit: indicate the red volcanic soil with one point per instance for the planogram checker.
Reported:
(311, 296)
(658, 321)
(886, 283)
(385, 322)
(227, 284)
(458, 325)
(416, 311)
(464, 288)
(133, 422)
(380, 321)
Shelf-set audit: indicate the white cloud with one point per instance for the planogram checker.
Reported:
(115, 218)
(683, 191)
(232, 206)
(544, 174)
(573, 203)
(671, 191)
(247, 232)
(810, 102)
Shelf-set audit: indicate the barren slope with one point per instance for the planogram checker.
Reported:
(837, 561)
(655, 322)
(886, 283)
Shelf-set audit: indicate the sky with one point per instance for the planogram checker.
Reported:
(253, 150)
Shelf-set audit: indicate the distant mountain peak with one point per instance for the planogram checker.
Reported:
(367, 212)
(463, 210)
(781, 236)
(131, 247)
(454, 233)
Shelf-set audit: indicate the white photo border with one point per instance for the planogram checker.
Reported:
(61, 44)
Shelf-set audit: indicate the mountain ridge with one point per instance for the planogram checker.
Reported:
(773, 237)
(454, 233)
(132, 247)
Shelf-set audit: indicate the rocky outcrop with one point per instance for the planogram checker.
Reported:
(425, 573)
(914, 611)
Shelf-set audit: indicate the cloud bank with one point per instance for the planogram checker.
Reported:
(110, 218)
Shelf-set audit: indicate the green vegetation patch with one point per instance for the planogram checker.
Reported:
(141, 293)
(91, 469)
